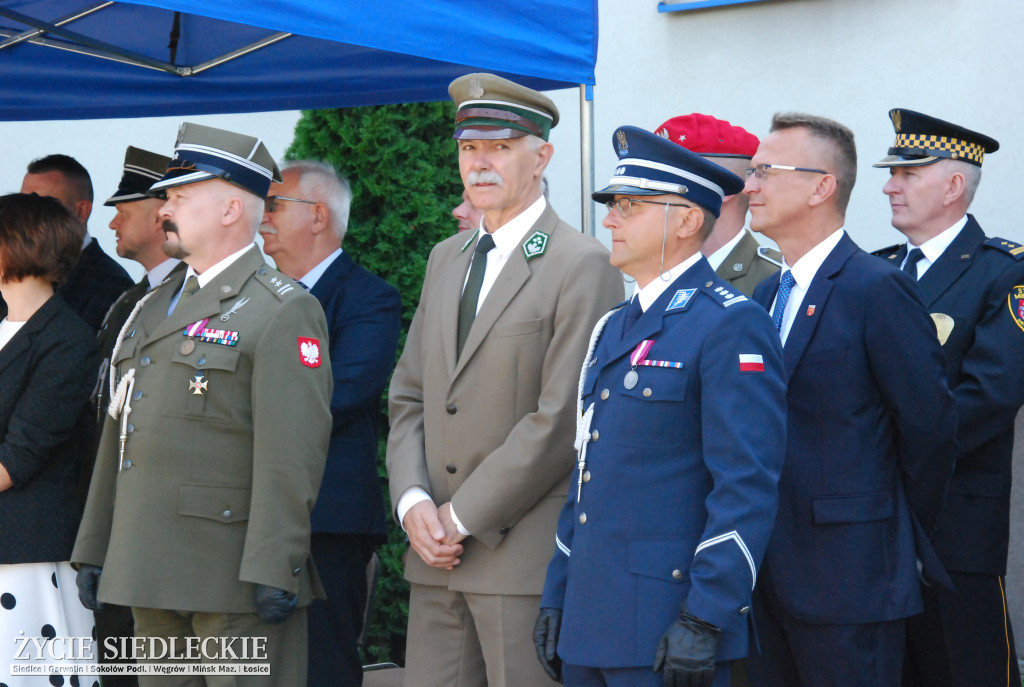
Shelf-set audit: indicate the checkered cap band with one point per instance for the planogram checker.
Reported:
(939, 146)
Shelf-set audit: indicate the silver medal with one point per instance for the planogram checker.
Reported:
(631, 378)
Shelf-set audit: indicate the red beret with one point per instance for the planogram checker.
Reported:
(703, 134)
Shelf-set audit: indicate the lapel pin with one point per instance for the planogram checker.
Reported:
(810, 310)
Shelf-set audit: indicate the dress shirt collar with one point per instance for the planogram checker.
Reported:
(313, 276)
(808, 265)
(160, 272)
(718, 257)
(652, 291)
(508, 236)
(207, 276)
(935, 246)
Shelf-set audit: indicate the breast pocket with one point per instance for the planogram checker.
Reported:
(648, 414)
(209, 382)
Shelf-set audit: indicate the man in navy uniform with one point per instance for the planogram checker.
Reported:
(733, 252)
(305, 222)
(870, 440)
(967, 280)
(680, 441)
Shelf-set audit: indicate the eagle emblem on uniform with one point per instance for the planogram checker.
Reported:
(309, 352)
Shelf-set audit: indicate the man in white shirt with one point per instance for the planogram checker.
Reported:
(481, 402)
(870, 428)
(967, 280)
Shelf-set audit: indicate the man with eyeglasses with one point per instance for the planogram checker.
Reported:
(482, 399)
(303, 228)
(973, 286)
(870, 435)
(733, 252)
(679, 443)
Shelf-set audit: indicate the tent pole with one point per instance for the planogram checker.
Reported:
(587, 158)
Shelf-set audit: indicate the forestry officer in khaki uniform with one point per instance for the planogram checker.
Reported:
(210, 461)
(483, 404)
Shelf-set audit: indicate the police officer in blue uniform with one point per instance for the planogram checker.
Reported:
(680, 443)
(973, 286)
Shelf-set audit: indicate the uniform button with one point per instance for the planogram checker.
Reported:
(127, 464)
(583, 518)
(227, 513)
(145, 361)
(225, 289)
(586, 476)
(678, 574)
(136, 395)
(452, 469)
(130, 429)
(604, 394)
(201, 361)
(647, 392)
(504, 530)
(745, 610)
(452, 409)
(595, 435)
(295, 573)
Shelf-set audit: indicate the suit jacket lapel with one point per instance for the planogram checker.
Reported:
(22, 340)
(204, 303)
(510, 280)
(326, 285)
(953, 262)
(743, 254)
(451, 295)
(803, 328)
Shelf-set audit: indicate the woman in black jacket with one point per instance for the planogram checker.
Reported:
(47, 369)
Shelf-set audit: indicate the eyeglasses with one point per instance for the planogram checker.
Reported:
(624, 206)
(270, 204)
(761, 171)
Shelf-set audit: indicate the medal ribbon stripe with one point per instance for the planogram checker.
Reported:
(660, 363)
(639, 354)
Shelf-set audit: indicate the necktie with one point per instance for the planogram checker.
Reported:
(780, 299)
(910, 266)
(471, 293)
(633, 313)
(191, 286)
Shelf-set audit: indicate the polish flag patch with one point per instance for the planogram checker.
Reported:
(309, 352)
(750, 362)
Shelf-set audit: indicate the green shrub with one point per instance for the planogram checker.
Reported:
(402, 165)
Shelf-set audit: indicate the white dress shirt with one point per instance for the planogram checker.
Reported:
(934, 247)
(803, 273)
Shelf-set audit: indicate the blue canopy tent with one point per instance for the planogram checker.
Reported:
(89, 59)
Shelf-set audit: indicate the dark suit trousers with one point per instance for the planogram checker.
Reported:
(798, 654)
(335, 623)
(963, 637)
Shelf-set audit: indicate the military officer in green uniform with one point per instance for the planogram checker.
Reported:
(216, 436)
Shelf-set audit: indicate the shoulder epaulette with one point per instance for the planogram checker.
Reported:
(889, 251)
(723, 293)
(770, 254)
(1011, 248)
(277, 283)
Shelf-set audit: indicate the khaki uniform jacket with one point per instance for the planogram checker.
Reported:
(216, 487)
(493, 431)
(749, 263)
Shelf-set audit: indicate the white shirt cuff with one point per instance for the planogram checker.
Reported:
(410, 498)
(458, 523)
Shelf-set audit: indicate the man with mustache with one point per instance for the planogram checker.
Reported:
(482, 400)
(198, 515)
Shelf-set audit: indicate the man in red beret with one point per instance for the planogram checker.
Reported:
(734, 253)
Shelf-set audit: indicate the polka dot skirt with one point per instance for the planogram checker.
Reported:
(40, 601)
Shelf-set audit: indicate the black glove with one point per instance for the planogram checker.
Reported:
(545, 638)
(88, 581)
(274, 605)
(687, 652)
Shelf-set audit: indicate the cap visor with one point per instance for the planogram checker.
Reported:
(488, 133)
(902, 161)
(190, 178)
(609, 192)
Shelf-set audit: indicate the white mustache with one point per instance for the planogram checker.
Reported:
(267, 229)
(486, 177)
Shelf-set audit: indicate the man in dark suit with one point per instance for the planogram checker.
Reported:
(871, 427)
(733, 252)
(303, 228)
(97, 280)
(966, 280)
(681, 435)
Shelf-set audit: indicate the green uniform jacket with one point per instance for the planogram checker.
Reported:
(748, 264)
(224, 450)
